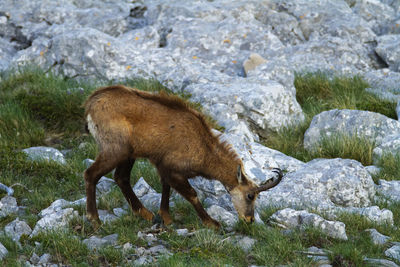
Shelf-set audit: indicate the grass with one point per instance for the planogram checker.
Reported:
(317, 92)
(38, 108)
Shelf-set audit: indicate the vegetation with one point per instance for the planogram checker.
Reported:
(38, 108)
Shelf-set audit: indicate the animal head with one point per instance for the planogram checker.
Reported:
(244, 195)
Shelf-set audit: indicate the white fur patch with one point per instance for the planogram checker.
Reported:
(92, 126)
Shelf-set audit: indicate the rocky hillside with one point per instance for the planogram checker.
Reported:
(239, 60)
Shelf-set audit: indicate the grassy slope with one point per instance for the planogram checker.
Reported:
(43, 109)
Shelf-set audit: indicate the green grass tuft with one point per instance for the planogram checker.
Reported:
(317, 92)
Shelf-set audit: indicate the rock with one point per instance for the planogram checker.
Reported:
(127, 247)
(380, 262)
(373, 170)
(34, 259)
(372, 126)
(377, 238)
(323, 184)
(182, 232)
(16, 229)
(222, 215)
(319, 256)
(390, 145)
(87, 162)
(244, 242)
(9, 190)
(142, 188)
(95, 243)
(152, 201)
(54, 207)
(389, 189)
(42, 153)
(388, 49)
(105, 185)
(119, 212)
(252, 62)
(106, 217)
(289, 218)
(3, 251)
(373, 213)
(378, 15)
(54, 221)
(158, 250)
(393, 252)
(149, 238)
(8, 205)
(45, 259)
(384, 84)
(322, 18)
(143, 261)
(263, 105)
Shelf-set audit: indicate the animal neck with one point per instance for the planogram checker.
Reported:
(223, 167)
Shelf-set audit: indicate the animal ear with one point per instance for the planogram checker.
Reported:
(239, 174)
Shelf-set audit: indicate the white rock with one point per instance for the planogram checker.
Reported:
(16, 229)
(393, 252)
(377, 238)
(292, 218)
(222, 215)
(3, 251)
(45, 153)
(54, 221)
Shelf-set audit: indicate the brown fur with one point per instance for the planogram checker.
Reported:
(129, 124)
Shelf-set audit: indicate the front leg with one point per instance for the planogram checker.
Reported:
(182, 186)
(164, 207)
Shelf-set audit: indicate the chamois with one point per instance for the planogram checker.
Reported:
(128, 124)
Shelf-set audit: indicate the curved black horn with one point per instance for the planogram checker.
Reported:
(271, 182)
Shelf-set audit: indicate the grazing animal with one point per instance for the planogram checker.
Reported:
(129, 124)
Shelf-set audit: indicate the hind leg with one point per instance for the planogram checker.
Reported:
(103, 165)
(122, 178)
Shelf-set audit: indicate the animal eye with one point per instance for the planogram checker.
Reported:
(250, 196)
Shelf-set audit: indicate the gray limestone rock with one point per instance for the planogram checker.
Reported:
(3, 251)
(42, 153)
(54, 207)
(384, 83)
(119, 212)
(106, 217)
(16, 229)
(54, 220)
(377, 238)
(380, 262)
(389, 50)
(372, 126)
(373, 213)
(244, 242)
(105, 185)
(390, 145)
(222, 215)
(8, 205)
(393, 252)
(379, 16)
(322, 184)
(289, 218)
(95, 242)
(389, 189)
(142, 188)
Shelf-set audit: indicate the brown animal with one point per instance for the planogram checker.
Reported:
(129, 124)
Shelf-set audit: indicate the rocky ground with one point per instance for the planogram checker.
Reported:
(238, 59)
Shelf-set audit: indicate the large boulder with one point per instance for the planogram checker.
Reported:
(364, 124)
(322, 184)
(389, 50)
